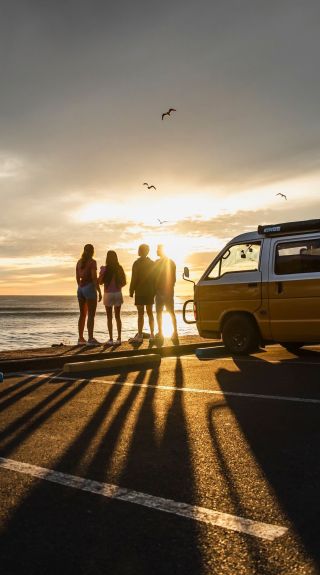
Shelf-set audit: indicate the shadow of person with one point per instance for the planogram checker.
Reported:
(72, 531)
(22, 382)
(159, 463)
(28, 421)
(256, 561)
(283, 436)
(60, 536)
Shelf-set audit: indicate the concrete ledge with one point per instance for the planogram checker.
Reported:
(50, 362)
(152, 359)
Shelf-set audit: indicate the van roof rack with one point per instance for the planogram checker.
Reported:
(290, 228)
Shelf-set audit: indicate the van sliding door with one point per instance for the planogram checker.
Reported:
(294, 289)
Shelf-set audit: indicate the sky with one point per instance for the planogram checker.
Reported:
(83, 87)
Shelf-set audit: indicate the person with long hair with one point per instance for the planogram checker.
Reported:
(88, 287)
(113, 278)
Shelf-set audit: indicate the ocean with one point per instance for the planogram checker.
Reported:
(40, 321)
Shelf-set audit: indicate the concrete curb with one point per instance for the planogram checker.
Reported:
(46, 363)
(153, 359)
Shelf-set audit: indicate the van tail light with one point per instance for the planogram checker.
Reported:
(195, 311)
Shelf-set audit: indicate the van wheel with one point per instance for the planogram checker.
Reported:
(240, 335)
(293, 346)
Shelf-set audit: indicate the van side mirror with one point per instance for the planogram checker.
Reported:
(186, 275)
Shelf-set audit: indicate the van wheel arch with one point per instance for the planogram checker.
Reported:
(240, 332)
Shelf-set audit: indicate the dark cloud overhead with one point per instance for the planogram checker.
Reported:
(91, 78)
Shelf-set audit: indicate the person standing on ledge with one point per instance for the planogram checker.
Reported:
(88, 287)
(165, 279)
(114, 279)
(142, 285)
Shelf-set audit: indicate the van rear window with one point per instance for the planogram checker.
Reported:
(297, 257)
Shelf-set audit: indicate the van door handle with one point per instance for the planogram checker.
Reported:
(253, 284)
(279, 287)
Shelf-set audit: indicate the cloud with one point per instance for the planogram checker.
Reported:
(244, 88)
(11, 166)
(199, 261)
(83, 86)
(226, 226)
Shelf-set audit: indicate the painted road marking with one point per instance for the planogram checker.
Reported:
(180, 389)
(263, 361)
(194, 512)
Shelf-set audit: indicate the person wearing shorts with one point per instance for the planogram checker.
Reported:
(113, 278)
(88, 287)
(142, 287)
(165, 279)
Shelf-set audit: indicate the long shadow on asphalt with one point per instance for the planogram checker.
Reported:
(71, 461)
(283, 437)
(29, 421)
(254, 548)
(61, 530)
(23, 391)
(12, 388)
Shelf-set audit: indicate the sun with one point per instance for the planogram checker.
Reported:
(175, 247)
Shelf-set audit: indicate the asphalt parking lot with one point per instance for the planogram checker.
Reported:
(195, 467)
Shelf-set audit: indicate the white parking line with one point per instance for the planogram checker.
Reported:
(180, 389)
(194, 512)
(262, 362)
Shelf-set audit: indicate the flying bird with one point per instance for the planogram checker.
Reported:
(162, 221)
(149, 187)
(168, 112)
(283, 195)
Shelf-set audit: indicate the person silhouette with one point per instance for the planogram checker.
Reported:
(142, 285)
(113, 278)
(165, 279)
(88, 288)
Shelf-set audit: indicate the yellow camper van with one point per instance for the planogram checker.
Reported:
(264, 286)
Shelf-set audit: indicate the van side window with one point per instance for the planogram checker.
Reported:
(298, 257)
(237, 258)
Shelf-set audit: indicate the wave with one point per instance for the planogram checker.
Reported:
(14, 309)
(57, 313)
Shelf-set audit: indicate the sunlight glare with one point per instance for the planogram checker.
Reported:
(167, 328)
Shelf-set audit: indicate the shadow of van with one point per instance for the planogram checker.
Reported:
(282, 436)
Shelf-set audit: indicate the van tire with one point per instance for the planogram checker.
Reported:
(293, 346)
(240, 334)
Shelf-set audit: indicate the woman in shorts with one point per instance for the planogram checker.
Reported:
(113, 278)
(88, 287)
